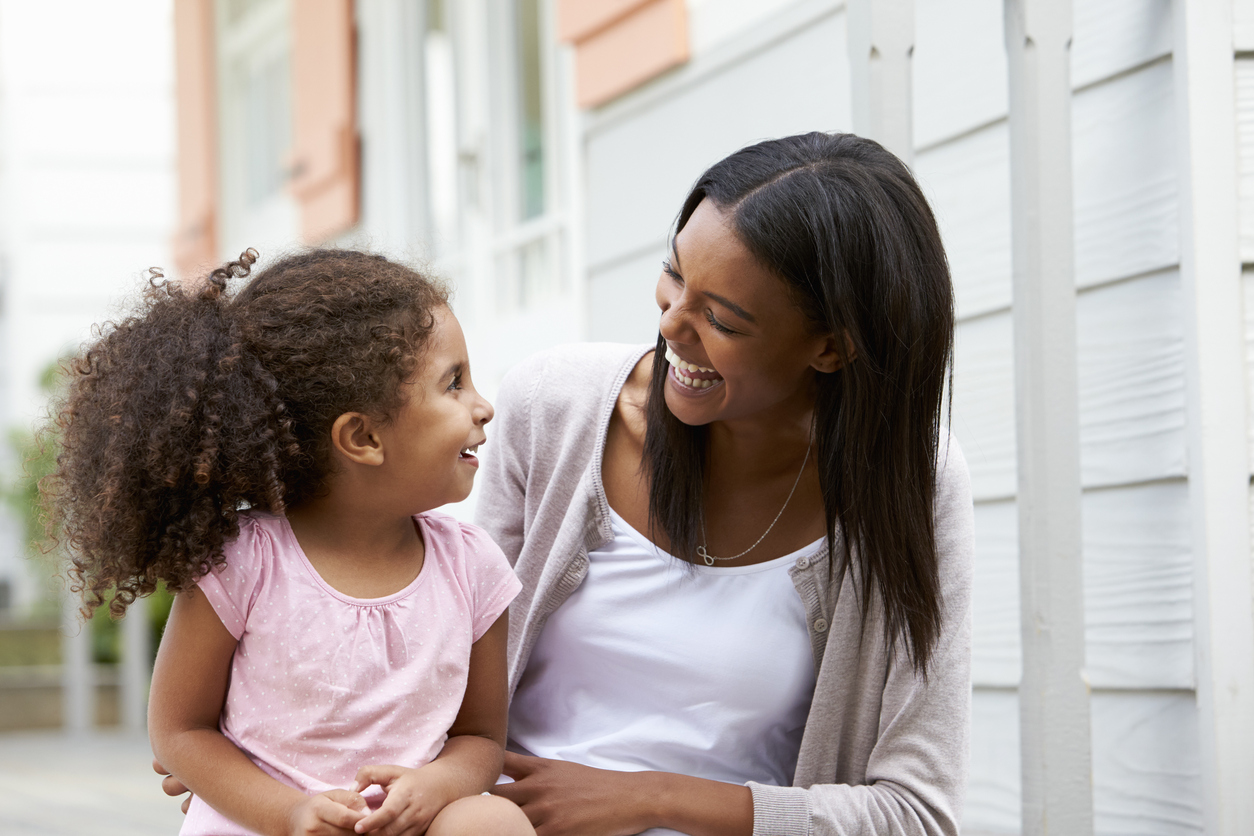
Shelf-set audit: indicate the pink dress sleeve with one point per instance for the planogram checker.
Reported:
(232, 589)
(492, 582)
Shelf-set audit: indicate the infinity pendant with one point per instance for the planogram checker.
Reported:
(704, 555)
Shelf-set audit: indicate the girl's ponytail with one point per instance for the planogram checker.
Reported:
(170, 428)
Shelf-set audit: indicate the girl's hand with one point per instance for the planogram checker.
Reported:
(170, 785)
(331, 813)
(566, 799)
(414, 797)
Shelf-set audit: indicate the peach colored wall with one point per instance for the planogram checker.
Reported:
(620, 44)
(195, 241)
(325, 158)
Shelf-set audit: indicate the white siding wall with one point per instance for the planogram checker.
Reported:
(782, 75)
(1136, 535)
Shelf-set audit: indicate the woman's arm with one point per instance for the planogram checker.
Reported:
(566, 799)
(470, 761)
(189, 684)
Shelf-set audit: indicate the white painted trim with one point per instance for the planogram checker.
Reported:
(1210, 271)
(391, 117)
(881, 41)
(1054, 726)
(135, 667)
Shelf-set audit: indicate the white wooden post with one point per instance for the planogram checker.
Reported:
(881, 41)
(78, 694)
(134, 671)
(1053, 696)
(392, 115)
(1210, 274)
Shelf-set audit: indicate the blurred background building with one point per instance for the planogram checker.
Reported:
(535, 153)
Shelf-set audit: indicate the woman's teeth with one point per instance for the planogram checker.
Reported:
(681, 366)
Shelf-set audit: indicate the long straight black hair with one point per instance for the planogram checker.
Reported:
(842, 222)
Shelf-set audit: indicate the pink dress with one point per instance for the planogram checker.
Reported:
(322, 683)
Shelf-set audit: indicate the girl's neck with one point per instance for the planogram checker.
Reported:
(360, 551)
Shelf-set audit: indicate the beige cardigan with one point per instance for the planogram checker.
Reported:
(883, 751)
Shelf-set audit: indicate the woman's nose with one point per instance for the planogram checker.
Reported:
(668, 299)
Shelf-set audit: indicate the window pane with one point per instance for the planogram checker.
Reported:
(267, 126)
(441, 122)
(530, 110)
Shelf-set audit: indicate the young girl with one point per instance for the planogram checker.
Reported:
(335, 658)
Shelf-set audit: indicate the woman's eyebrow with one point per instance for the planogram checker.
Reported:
(732, 306)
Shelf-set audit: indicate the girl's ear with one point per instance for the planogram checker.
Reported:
(354, 436)
(832, 356)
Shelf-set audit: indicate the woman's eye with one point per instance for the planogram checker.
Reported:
(670, 271)
(718, 326)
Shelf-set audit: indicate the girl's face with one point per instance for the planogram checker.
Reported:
(430, 444)
(737, 345)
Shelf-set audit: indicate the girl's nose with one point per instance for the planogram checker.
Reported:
(484, 411)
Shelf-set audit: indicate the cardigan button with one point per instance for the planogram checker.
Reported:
(803, 563)
(820, 625)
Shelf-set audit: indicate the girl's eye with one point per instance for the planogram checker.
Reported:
(457, 382)
(670, 271)
(718, 326)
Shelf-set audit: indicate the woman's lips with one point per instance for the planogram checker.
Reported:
(690, 374)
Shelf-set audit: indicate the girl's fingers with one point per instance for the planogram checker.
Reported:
(336, 813)
(351, 800)
(378, 819)
(381, 774)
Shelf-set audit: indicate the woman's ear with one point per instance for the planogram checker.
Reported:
(832, 356)
(355, 437)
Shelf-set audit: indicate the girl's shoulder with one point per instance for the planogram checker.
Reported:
(459, 539)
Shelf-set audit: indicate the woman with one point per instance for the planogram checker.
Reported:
(746, 553)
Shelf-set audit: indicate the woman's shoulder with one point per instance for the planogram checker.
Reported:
(566, 385)
(571, 369)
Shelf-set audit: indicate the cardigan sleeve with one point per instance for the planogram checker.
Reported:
(500, 508)
(916, 773)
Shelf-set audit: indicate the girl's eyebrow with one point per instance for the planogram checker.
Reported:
(453, 370)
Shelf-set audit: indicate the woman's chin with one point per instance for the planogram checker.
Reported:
(693, 406)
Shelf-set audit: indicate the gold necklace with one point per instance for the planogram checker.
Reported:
(709, 558)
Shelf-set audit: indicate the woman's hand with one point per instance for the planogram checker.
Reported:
(414, 797)
(566, 799)
(330, 813)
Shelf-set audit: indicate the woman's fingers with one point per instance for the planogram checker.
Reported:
(518, 766)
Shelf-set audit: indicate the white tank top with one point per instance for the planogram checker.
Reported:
(655, 664)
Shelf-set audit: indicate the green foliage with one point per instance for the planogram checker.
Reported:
(36, 457)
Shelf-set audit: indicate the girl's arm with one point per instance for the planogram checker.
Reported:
(189, 685)
(471, 758)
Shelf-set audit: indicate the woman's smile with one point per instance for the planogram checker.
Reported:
(690, 375)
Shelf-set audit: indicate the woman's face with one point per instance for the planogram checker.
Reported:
(737, 345)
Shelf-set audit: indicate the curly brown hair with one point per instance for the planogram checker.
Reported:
(202, 404)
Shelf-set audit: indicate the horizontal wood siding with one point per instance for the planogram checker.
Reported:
(1245, 154)
(1124, 169)
(1135, 510)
